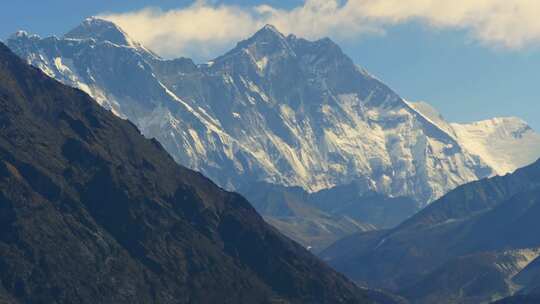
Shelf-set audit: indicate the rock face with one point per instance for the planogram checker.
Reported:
(476, 244)
(275, 109)
(92, 212)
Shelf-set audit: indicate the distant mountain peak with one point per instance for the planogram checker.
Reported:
(268, 43)
(262, 47)
(271, 29)
(268, 35)
(101, 30)
(502, 120)
(23, 35)
(504, 143)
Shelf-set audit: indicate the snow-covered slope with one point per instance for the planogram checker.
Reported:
(505, 144)
(431, 114)
(278, 109)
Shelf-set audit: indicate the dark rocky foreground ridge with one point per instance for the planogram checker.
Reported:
(92, 212)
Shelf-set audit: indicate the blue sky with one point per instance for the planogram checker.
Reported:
(448, 66)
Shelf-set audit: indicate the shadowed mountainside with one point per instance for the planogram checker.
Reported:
(476, 244)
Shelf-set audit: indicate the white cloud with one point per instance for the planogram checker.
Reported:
(193, 30)
(508, 23)
(203, 28)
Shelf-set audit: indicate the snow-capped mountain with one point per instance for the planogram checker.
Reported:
(278, 109)
(505, 143)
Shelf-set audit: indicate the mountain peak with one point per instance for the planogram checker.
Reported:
(265, 44)
(270, 28)
(22, 35)
(267, 34)
(504, 120)
(100, 30)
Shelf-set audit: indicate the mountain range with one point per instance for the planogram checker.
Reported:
(282, 114)
(93, 212)
(276, 109)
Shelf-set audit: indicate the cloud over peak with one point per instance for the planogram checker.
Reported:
(203, 29)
